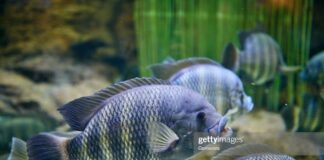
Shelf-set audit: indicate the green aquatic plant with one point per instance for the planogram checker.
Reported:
(190, 28)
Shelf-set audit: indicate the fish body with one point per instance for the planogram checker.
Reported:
(310, 116)
(116, 122)
(251, 152)
(259, 60)
(313, 73)
(221, 87)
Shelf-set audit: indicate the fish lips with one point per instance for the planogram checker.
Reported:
(219, 129)
(248, 104)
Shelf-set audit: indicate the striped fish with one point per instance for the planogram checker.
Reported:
(251, 152)
(310, 117)
(222, 88)
(259, 60)
(313, 74)
(136, 119)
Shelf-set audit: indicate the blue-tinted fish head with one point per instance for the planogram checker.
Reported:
(303, 75)
(312, 71)
(196, 114)
(247, 103)
(240, 99)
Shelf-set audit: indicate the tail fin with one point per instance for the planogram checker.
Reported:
(47, 146)
(230, 57)
(18, 150)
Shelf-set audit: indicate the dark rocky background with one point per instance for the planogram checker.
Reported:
(53, 51)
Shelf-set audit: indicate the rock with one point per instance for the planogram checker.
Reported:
(45, 82)
(259, 121)
(263, 127)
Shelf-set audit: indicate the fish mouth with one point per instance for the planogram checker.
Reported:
(219, 129)
(248, 103)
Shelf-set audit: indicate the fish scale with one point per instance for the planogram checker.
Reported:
(117, 149)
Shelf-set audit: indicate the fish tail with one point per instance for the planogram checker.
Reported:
(47, 146)
(18, 150)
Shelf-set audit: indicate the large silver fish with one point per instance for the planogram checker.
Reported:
(222, 88)
(314, 73)
(259, 59)
(251, 152)
(135, 119)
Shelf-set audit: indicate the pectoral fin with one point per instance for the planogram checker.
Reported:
(161, 138)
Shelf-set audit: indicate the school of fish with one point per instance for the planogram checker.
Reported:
(151, 118)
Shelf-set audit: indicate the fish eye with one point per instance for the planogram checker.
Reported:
(200, 116)
(242, 98)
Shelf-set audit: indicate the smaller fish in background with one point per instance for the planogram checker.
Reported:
(313, 73)
(251, 152)
(259, 59)
(222, 88)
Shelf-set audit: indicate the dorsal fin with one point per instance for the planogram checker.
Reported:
(78, 112)
(166, 70)
(244, 150)
(230, 57)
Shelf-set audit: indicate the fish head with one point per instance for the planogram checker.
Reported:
(240, 99)
(312, 72)
(196, 114)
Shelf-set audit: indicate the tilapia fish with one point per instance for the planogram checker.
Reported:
(314, 73)
(134, 119)
(259, 59)
(251, 152)
(222, 88)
